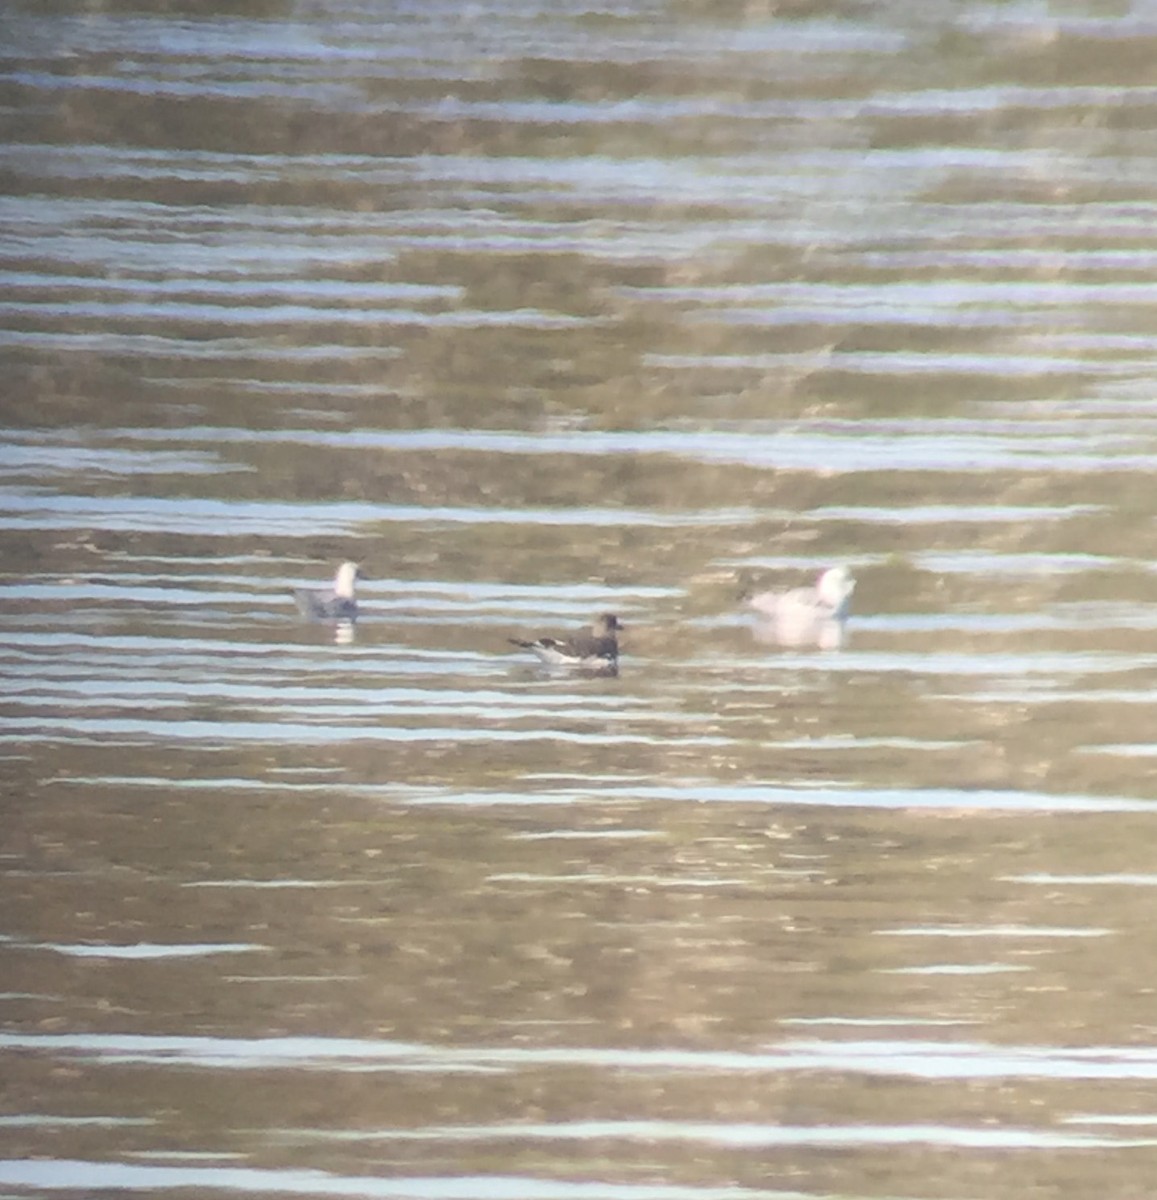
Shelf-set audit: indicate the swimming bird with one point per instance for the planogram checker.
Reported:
(807, 615)
(337, 604)
(597, 650)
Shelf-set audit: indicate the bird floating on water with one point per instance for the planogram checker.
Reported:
(807, 615)
(597, 650)
(335, 604)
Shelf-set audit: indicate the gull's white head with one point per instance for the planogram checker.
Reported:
(343, 584)
(835, 586)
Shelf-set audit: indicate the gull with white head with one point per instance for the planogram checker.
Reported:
(335, 604)
(807, 616)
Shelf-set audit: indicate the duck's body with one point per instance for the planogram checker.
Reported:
(597, 650)
(807, 615)
(335, 604)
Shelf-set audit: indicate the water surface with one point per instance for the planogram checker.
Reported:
(539, 311)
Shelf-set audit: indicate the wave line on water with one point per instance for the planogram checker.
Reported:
(906, 1059)
(745, 1136)
(67, 1174)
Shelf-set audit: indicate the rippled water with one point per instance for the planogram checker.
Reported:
(540, 311)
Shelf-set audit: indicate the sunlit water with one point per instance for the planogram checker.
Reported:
(538, 312)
